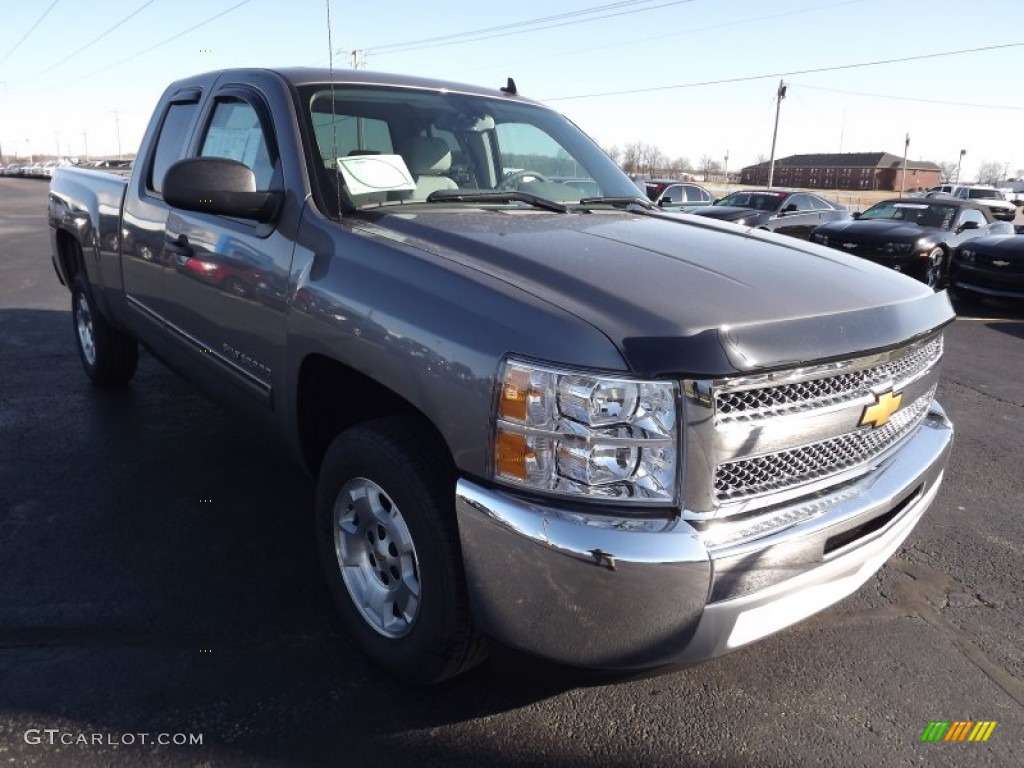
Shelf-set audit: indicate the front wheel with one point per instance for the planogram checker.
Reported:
(109, 356)
(385, 514)
(935, 271)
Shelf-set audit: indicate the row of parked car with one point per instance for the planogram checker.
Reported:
(45, 170)
(945, 237)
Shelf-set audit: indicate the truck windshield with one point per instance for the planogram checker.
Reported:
(394, 146)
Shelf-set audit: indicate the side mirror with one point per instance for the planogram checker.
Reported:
(855, 214)
(967, 225)
(788, 209)
(219, 186)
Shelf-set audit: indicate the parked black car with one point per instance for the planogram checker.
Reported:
(989, 266)
(676, 195)
(913, 235)
(789, 213)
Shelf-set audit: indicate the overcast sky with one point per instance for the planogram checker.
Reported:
(74, 77)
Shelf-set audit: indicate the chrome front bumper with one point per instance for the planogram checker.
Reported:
(595, 590)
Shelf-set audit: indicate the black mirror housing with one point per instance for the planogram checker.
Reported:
(219, 186)
(855, 214)
(967, 225)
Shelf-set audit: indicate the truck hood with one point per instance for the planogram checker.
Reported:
(683, 295)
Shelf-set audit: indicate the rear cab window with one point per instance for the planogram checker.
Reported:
(171, 143)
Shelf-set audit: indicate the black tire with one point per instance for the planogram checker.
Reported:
(935, 270)
(410, 476)
(235, 287)
(109, 356)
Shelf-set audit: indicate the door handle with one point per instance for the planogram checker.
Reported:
(179, 247)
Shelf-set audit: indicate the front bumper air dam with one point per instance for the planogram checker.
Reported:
(609, 592)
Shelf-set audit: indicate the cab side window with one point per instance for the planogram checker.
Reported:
(170, 145)
(235, 133)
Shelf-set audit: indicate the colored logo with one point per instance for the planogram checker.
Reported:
(886, 404)
(958, 730)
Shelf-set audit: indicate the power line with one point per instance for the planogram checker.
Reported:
(643, 40)
(513, 25)
(910, 98)
(30, 31)
(773, 75)
(166, 41)
(411, 47)
(93, 41)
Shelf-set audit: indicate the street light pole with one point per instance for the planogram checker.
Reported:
(727, 169)
(780, 95)
(962, 153)
(903, 176)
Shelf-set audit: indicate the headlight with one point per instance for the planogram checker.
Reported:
(823, 239)
(967, 257)
(581, 434)
(741, 222)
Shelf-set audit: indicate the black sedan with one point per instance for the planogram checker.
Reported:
(789, 213)
(912, 235)
(676, 195)
(989, 266)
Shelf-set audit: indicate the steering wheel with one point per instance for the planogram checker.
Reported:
(512, 180)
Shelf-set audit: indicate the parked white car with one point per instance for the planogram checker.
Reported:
(990, 197)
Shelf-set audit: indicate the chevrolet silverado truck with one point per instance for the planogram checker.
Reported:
(561, 419)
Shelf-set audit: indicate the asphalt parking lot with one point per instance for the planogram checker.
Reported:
(158, 576)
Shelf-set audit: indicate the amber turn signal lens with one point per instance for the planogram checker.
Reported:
(511, 453)
(515, 389)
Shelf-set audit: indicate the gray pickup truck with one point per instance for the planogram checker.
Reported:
(537, 408)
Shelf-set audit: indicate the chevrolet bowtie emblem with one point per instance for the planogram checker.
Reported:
(877, 415)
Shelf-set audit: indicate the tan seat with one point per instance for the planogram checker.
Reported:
(429, 158)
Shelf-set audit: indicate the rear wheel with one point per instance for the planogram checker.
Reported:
(389, 547)
(109, 356)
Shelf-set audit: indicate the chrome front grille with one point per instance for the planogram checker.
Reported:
(827, 390)
(759, 440)
(763, 474)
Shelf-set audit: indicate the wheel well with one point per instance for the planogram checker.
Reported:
(333, 397)
(69, 252)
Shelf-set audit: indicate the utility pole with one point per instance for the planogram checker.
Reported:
(117, 127)
(958, 162)
(903, 176)
(727, 169)
(780, 95)
(85, 143)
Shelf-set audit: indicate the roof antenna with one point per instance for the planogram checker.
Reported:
(510, 89)
(334, 118)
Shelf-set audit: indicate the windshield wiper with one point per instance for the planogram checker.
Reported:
(623, 200)
(498, 196)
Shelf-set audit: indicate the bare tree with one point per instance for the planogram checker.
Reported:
(631, 157)
(709, 166)
(680, 166)
(613, 152)
(989, 172)
(655, 161)
(947, 171)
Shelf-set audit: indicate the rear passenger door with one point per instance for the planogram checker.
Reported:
(227, 285)
(145, 212)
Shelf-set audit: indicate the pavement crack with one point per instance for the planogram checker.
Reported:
(927, 594)
(983, 393)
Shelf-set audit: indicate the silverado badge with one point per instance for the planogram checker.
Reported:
(877, 415)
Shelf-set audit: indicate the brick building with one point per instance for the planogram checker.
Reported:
(846, 170)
